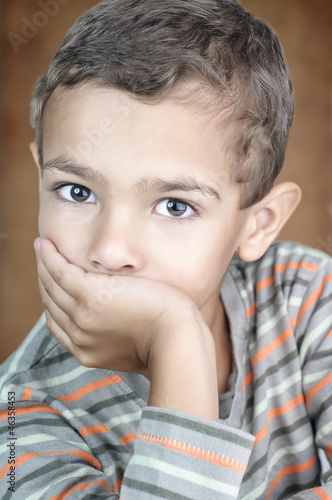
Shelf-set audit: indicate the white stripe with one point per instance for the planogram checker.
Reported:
(324, 325)
(75, 412)
(61, 379)
(266, 328)
(295, 301)
(324, 431)
(304, 251)
(274, 391)
(268, 325)
(287, 450)
(185, 474)
(124, 419)
(81, 472)
(247, 289)
(43, 438)
(313, 377)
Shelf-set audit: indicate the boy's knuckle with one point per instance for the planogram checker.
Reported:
(82, 317)
(47, 284)
(58, 275)
(76, 335)
(85, 359)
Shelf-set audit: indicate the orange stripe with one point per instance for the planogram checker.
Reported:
(30, 409)
(328, 451)
(329, 334)
(296, 265)
(94, 386)
(193, 451)
(321, 493)
(272, 346)
(318, 387)
(80, 487)
(117, 487)
(314, 297)
(291, 469)
(250, 310)
(265, 283)
(249, 378)
(96, 429)
(29, 456)
(282, 268)
(276, 412)
(128, 438)
(27, 394)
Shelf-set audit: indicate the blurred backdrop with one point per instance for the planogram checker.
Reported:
(31, 32)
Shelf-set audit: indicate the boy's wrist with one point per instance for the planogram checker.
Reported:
(182, 367)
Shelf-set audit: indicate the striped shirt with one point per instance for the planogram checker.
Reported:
(71, 432)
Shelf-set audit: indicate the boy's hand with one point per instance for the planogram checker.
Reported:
(132, 324)
(104, 321)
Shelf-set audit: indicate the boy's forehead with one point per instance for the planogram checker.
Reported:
(92, 119)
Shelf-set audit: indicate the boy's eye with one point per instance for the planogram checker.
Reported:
(77, 193)
(175, 208)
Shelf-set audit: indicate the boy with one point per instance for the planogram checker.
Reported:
(182, 355)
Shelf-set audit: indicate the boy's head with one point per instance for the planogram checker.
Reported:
(161, 127)
(210, 54)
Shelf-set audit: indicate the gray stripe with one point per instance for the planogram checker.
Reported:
(203, 429)
(258, 464)
(153, 490)
(293, 489)
(42, 349)
(108, 403)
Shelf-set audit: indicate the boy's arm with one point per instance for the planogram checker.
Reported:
(180, 449)
(143, 327)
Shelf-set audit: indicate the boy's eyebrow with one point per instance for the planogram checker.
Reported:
(177, 184)
(72, 166)
(147, 184)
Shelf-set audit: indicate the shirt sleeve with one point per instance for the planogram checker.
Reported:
(42, 456)
(176, 456)
(314, 332)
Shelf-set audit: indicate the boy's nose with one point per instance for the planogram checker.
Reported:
(116, 246)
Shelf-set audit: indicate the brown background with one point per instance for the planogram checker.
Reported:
(305, 29)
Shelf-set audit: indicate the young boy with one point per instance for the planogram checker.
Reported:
(182, 354)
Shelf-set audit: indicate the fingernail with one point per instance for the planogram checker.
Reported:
(37, 244)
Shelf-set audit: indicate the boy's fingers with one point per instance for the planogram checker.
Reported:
(57, 313)
(52, 290)
(68, 276)
(58, 332)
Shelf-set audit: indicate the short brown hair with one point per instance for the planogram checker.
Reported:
(149, 47)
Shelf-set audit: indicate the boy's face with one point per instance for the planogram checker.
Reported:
(120, 187)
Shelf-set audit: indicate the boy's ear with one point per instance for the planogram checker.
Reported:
(34, 151)
(267, 218)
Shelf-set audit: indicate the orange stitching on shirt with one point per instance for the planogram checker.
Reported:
(194, 451)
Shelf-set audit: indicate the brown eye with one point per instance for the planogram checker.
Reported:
(176, 208)
(77, 194)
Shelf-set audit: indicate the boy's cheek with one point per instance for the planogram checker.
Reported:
(62, 236)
